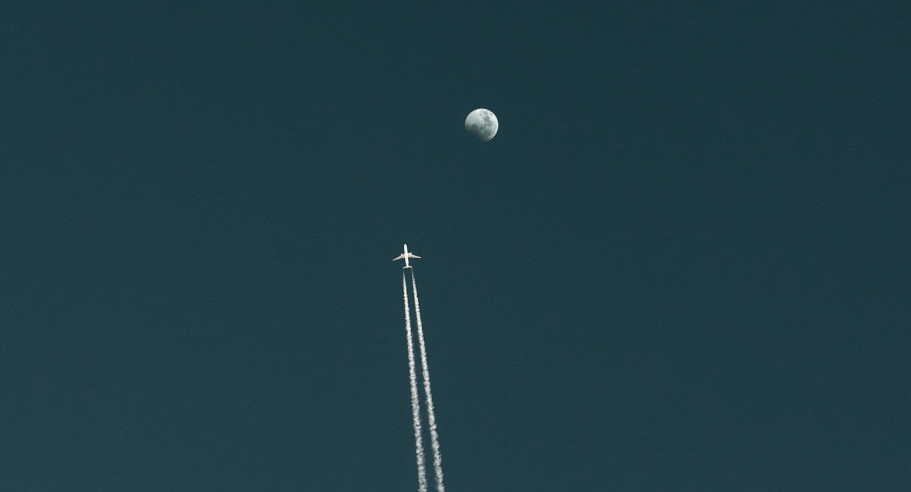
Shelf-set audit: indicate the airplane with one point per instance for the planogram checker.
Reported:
(405, 256)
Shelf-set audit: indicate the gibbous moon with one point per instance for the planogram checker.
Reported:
(482, 123)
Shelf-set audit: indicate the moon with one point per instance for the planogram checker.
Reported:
(482, 123)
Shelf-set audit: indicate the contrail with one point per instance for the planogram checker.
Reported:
(415, 404)
(431, 418)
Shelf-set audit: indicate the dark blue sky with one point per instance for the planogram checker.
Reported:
(682, 264)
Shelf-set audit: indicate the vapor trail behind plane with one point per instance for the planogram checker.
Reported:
(431, 418)
(415, 403)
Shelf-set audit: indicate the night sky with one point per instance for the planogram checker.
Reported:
(682, 263)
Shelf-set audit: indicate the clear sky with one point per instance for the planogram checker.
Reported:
(682, 263)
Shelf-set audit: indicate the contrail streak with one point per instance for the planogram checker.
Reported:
(431, 418)
(415, 404)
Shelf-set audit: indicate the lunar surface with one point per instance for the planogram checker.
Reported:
(482, 123)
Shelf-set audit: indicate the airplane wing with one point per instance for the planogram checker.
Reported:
(414, 256)
(399, 257)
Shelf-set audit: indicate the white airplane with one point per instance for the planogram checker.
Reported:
(405, 256)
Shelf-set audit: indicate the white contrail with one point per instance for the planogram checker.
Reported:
(431, 419)
(415, 404)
